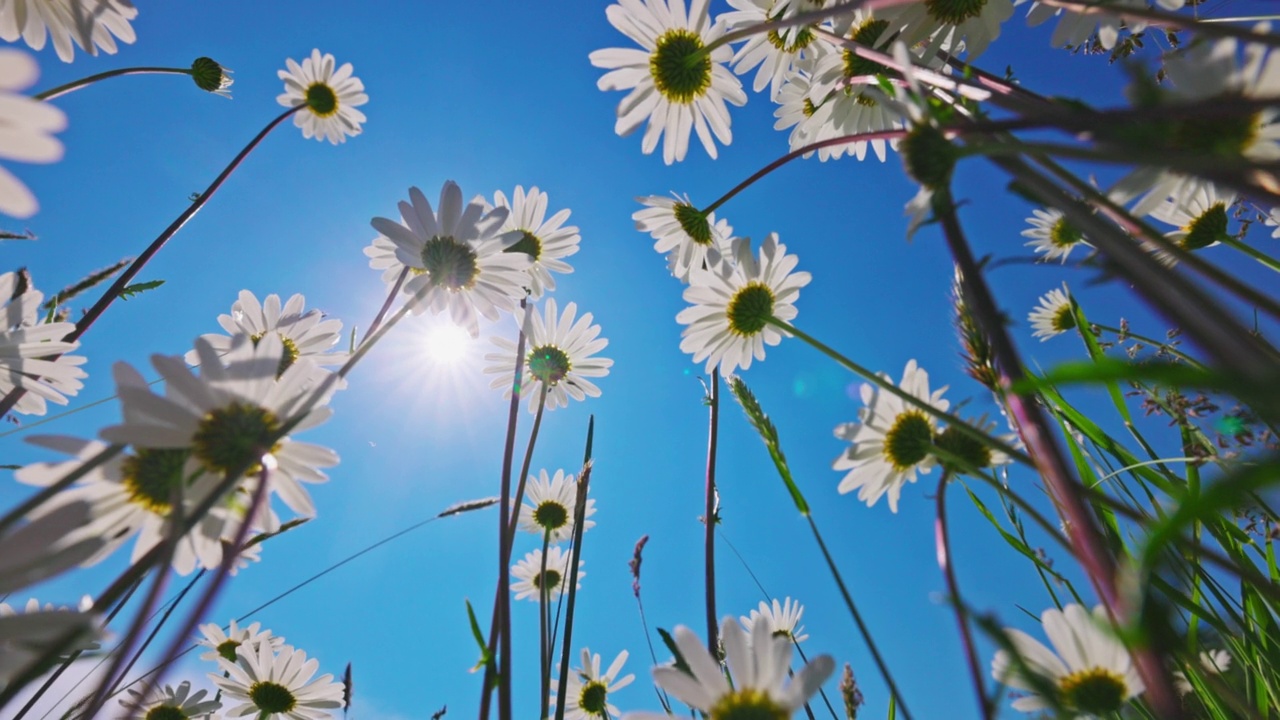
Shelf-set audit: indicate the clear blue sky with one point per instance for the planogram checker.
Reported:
(495, 94)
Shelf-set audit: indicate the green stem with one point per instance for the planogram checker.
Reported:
(86, 81)
(943, 543)
(709, 514)
(1254, 253)
(544, 645)
(891, 388)
(575, 552)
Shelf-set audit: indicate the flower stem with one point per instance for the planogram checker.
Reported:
(710, 513)
(382, 312)
(943, 544)
(1252, 252)
(890, 387)
(1163, 19)
(65, 482)
(813, 16)
(575, 552)
(1150, 341)
(1086, 539)
(93, 313)
(544, 644)
(86, 81)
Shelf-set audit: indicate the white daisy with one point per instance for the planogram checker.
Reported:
(758, 665)
(542, 239)
(782, 619)
(587, 689)
(561, 357)
(550, 504)
(44, 546)
(168, 703)
(456, 257)
(948, 23)
(891, 441)
(795, 108)
(32, 353)
(732, 303)
(331, 97)
(307, 335)
(29, 126)
(230, 416)
(132, 495)
(1054, 315)
(778, 53)
(1094, 676)
(1075, 28)
(92, 24)
(27, 633)
(673, 85)
(1201, 217)
(1052, 234)
(693, 239)
(382, 256)
(528, 574)
(228, 643)
(1273, 220)
(1212, 662)
(269, 685)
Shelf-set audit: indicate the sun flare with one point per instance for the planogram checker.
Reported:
(447, 344)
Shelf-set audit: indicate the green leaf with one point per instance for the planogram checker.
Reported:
(486, 660)
(1106, 370)
(670, 642)
(129, 291)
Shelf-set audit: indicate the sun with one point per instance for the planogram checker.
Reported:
(447, 344)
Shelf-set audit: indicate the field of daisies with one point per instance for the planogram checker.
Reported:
(722, 359)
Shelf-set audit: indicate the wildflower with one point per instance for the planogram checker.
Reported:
(561, 357)
(1054, 315)
(587, 689)
(33, 354)
(530, 580)
(29, 125)
(544, 240)
(304, 335)
(228, 644)
(330, 97)
(92, 24)
(169, 703)
(269, 685)
(550, 504)
(782, 619)
(1052, 234)
(694, 239)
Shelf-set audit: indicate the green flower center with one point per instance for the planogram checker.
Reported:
(928, 156)
(322, 100)
(974, 454)
(1064, 319)
(694, 223)
(529, 244)
(551, 515)
(288, 357)
(151, 475)
(680, 71)
(747, 704)
(1210, 227)
(553, 579)
(592, 698)
(1218, 136)
(800, 40)
(954, 12)
(449, 264)
(1096, 691)
(165, 712)
(232, 438)
(750, 309)
(227, 650)
(271, 697)
(549, 364)
(1063, 234)
(867, 34)
(209, 75)
(908, 441)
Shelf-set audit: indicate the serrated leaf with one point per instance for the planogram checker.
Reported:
(670, 642)
(135, 289)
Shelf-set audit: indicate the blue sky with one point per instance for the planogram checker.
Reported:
(491, 95)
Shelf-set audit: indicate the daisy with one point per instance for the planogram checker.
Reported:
(891, 441)
(976, 454)
(269, 685)
(778, 53)
(561, 357)
(529, 574)
(758, 665)
(542, 239)
(170, 704)
(45, 546)
(550, 504)
(781, 619)
(456, 257)
(1052, 234)
(229, 418)
(330, 97)
(29, 127)
(673, 85)
(228, 644)
(587, 690)
(129, 496)
(1212, 662)
(26, 634)
(1075, 28)
(1201, 218)
(948, 22)
(728, 323)
(307, 335)
(694, 239)
(795, 108)
(92, 24)
(1091, 672)
(1054, 316)
(32, 353)
(1273, 220)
